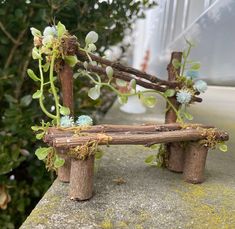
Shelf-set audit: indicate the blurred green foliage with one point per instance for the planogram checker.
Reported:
(21, 174)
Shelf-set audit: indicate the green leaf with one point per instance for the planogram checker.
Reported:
(10, 98)
(149, 101)
(36, 128)
(76, 75)
(223, 147)
(196, 66)
(188, 116)
(122, 99)
(91, 48)
(121, 83)
(60, 29)
(32, 75)
(42, 152)
(25, 100)
(176, 63)
(133, 84)
(149, 159)
(169, 92)
(93, 63)
(109, 72)
(40, 135)
(58, 162)
(46, 67)
(71, 60)
(35, 32)
(37, 94)
(91, 37)
(64, 110)
(35, 54)
(94, 92)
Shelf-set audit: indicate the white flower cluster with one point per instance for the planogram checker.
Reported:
(184, 96)
(83, 120)
(45, 42)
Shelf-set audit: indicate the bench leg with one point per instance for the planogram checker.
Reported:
(81, 179)
(195, 161)
(176, 157)
(64, 171)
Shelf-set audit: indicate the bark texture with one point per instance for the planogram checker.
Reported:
(64, 171)
(81, 179)
(66, 79)
(176, 157)
(136, 139)
(54, 132)
(175, 162)
(127, 74)
(195, 161)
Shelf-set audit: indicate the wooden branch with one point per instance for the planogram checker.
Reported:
(171, 116)
(4, 30)
(54, 132)
(137, 139)
(128, 78)
(82, 55)
(66, 79)
(175, 152)
(14, 48)
(123, 76)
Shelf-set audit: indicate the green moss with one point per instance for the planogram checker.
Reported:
(106, 224)
(122, 224)
(40, 214)
(210, 205)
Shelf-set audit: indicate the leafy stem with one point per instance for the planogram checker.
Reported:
(185, 57)
(41, 89)
(53, 89)
(138, 93)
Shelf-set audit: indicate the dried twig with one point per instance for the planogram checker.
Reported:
(137, 139)
(4, 30)
(128, 78)
(82, 55)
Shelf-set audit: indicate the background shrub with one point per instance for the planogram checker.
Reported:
(23, 179)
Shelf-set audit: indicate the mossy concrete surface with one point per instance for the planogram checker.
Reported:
(130, 194)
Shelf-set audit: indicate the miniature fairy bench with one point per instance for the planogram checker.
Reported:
(79, 171)
(186, 144)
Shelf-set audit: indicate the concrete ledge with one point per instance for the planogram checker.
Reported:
(150, 198)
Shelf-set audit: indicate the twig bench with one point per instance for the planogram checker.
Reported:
(186, 144)
(81, 171)
(190, 160)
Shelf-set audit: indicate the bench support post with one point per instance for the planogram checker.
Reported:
(81, 179)
(64, 171)
(176, 157)
(195, 161)
(66, 79)
(175, 152)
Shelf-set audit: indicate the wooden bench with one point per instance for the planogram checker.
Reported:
(75, 144)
